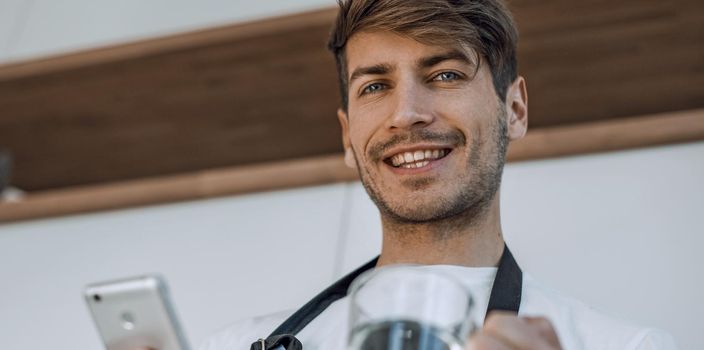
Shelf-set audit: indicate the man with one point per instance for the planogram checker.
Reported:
(430, 100)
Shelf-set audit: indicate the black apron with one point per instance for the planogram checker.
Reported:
(505, 295)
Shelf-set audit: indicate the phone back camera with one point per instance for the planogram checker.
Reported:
(97, 298)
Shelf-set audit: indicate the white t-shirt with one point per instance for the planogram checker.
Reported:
(578, 326)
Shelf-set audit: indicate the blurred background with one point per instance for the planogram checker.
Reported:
(199, 140)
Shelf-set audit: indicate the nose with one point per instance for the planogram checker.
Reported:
(412, 108)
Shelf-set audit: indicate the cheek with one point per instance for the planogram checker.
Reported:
(359, 133)
(470, 113)
(365, 127)
(374, 109)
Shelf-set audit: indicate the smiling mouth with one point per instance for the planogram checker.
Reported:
(416, 159)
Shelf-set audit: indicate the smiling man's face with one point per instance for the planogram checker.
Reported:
(424, 127)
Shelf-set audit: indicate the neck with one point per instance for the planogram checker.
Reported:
(473, 242)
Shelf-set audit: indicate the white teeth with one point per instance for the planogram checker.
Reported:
(419, 155)
(408, 157)
(415, 165)
(416, 159)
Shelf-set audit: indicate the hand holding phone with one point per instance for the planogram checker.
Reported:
(135, 314)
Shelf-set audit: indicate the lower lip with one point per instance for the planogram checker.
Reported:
(413, 171)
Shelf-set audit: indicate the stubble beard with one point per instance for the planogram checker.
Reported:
(466, 204)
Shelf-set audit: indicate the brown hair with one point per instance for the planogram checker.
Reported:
(483, 26)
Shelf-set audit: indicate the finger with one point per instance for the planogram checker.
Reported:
(482, 341)
(508, 328)
(521, 333)
(543, 326)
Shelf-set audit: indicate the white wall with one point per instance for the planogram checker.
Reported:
(11, 19)
(225, 259)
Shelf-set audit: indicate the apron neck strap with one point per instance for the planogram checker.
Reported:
(507, 287)
(320, 302)
(505, 295)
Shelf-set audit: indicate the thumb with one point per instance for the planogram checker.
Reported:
(481, 341)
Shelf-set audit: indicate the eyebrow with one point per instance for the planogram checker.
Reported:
(377, 69)
(428, 62)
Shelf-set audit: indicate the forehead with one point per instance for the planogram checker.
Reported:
(370, 48)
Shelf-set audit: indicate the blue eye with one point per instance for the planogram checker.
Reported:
(372, 88)
(447, 76)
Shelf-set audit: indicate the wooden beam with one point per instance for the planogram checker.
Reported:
(168, 189)
(203, 100)
(542, 143)
(611, 135)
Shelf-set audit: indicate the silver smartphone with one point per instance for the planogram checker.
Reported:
(135, 313)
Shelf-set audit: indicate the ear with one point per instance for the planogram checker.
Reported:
(344, 124)
(517, 109)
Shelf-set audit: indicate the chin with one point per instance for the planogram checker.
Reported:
(419, 211)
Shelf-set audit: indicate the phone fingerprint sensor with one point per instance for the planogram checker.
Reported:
(127, 321)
